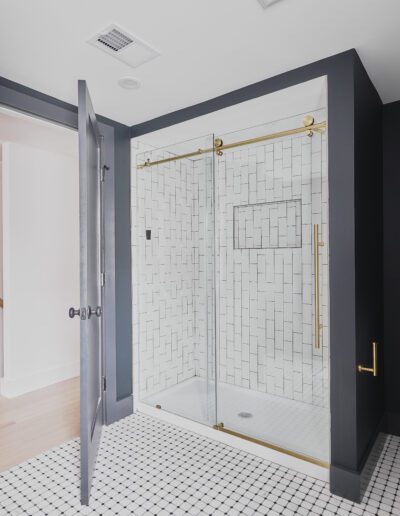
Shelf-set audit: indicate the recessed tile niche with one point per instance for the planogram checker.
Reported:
(269, 225)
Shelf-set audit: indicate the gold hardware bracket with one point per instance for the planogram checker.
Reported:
(374, 369)
(308, 121)
(218, 426)
(218, 143)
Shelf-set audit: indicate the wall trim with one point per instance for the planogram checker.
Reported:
(30, 101)
(122, 408)
(352, 484)
(345, 483)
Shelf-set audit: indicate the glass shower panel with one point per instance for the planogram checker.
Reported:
(271, 198)
(175, 261)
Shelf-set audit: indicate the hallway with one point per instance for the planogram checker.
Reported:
(35, 422)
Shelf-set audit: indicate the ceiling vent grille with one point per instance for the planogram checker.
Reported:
(123, 46)
(115, 39)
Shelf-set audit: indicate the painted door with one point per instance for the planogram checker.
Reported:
(91, 407)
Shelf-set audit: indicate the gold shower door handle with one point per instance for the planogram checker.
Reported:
(317, 321)
(374, 368)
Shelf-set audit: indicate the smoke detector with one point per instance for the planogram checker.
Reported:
(124, 46)
(129, 83)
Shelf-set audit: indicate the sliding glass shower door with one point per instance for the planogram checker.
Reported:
(272, 280)
(232, 284)
(174, 279)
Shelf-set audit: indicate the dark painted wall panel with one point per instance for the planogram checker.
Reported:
(123, 268)
(341, 262)
(369, 244)
(391, 213)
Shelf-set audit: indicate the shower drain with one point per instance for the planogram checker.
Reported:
(245, 415)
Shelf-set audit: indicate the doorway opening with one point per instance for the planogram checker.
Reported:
(39, 281)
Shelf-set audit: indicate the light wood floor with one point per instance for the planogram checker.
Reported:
(35, 422)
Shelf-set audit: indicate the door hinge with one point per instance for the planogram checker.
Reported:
(103, 170)
(102, 279)
(104, 383)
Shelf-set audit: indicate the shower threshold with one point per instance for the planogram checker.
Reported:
(252, 420)
(221, 428)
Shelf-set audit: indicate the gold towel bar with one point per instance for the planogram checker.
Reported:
(374, 368)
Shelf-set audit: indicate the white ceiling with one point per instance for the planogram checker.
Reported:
(207, 47)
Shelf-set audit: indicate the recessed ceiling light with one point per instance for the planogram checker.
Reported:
(129, 83)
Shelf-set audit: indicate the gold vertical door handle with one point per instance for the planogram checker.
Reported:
(317, 321)
(374, 368)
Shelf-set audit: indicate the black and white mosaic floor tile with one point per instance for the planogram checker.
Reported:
(148, 467)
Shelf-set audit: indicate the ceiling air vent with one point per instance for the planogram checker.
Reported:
(123, 46)
(115, 40)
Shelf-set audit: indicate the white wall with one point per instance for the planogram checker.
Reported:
(1, 262)
(41, 267)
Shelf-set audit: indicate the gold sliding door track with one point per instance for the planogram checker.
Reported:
(309, 126)
(301, 456)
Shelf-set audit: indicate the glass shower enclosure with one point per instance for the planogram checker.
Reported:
(231, 276)
(174, 277)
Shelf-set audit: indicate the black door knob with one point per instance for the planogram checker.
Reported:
(72, 312)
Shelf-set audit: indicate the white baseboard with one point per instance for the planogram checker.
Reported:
(13, 387)
(288, 461)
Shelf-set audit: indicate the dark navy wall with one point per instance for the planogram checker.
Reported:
(123, 266)
(369, 255)
(391, 222)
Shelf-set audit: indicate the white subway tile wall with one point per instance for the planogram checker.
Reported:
(164, 279)
(267, 198)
